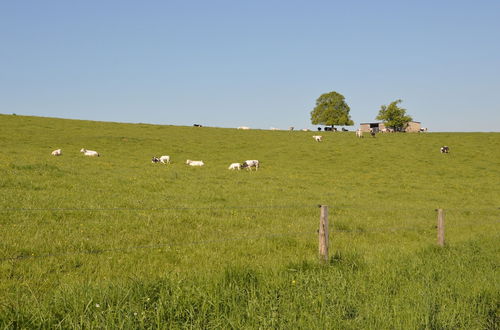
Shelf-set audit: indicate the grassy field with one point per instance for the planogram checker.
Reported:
(117, 241)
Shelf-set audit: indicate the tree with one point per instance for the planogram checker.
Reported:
(330, 110)
(394, 116)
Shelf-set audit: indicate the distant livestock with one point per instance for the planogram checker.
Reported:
(234, 166)
(291, 128)
(194, 162)
(305, 129)
(372, 132)
(344, 129)
(318, 138)
(90, 153)
(162, 159)
(165, 159)
(445, 149)
(359, 133)
(244, 127)
(423, 129)
(57, 152)
(197, 125)
(248, 164)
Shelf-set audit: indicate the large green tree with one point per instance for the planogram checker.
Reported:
(394, 116)
(331, 109)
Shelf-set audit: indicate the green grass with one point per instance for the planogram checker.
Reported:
(117, 241)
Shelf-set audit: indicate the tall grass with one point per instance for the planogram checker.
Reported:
(116, 241)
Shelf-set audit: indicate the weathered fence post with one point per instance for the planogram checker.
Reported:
(323, 233)
(440, 227)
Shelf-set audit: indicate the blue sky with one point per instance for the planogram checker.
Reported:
(254, 63)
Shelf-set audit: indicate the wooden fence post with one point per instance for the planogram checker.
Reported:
(323, 233)
(440, 227)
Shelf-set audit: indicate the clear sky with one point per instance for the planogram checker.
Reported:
(259, 63)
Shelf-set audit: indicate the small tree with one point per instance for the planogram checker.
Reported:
(394, 116)
(331, 110)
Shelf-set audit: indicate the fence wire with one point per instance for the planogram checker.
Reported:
(418, 228)
(157, 246)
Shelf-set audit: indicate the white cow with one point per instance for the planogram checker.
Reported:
(243, 127)
(234, 166)
(318, 138)
(248, 164)
(57, 152)
(305, 130)
(359, 133)
(91, 153)
(194, 162)
(165, 159)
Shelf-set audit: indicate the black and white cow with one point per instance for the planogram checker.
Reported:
(445, 149)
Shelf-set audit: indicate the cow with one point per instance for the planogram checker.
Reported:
(248, 164)
(318, 138)
(57, 152)
(194, 162)
(234, 166)
(359, 133)
(445, 149)
(90, 153)
(165, 159)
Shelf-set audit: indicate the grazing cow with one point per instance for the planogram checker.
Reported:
(423, 129)
(344, 129)
(155, 160)
(305, 129)
(319, 129)
(197, 125)
(291, 128)
(165, 159)
(318, 138)
(194, 162)
(274, 129)
(372, 132)
(359, 133)
(248, 164)
(57, 152)
(244, 127)
(445, 149)
(234, 166)
(90, 153)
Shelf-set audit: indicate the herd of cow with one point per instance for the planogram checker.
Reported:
(248, 164)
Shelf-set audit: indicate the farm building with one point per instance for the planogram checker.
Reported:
(413, 126)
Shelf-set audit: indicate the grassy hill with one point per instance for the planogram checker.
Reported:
(117, 241)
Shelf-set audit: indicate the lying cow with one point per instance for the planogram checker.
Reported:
(90, 153)
(194, 162)
(57, 152)
(445, 149)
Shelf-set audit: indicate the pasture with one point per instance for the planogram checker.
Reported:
(116, 241)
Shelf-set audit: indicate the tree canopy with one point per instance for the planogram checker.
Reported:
(393, 116)
(331, 109)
